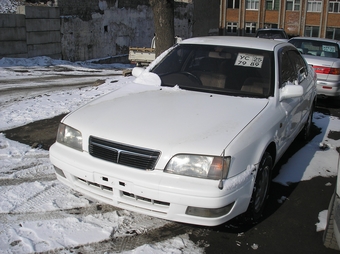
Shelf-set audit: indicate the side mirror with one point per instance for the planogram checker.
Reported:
(290, 91)
(145, 77)
(137, 71)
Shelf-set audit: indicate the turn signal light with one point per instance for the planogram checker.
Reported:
(326, 70)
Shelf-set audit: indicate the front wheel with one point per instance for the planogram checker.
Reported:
(260, 190)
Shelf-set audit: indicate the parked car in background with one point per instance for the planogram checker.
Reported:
(332, 232)
(272, 33)
(195, 137)
(323, 55)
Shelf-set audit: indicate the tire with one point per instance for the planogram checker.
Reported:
(329, 239)
(305, 134)
(260, 190)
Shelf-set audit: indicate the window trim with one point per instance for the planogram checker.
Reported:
(232, 25)
(273, 4)
(235, 4)
(295, 5)
(254, 4)
(334, 4)
(311, 28)
(252, 27)
(314, 5)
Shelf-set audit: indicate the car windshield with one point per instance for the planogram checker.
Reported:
(218, 69)
(316, 48)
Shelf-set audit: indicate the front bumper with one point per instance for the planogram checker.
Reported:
(153, 193)
(327, 88)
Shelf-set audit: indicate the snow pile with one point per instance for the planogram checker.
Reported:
(9, 6)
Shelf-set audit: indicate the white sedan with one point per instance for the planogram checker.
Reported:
(195, 137)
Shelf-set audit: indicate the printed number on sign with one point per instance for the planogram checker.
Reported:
(249, 60)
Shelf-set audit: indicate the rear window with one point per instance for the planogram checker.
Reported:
(271, 34)
(218, 69)
(317, 48)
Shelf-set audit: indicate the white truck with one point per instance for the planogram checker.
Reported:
(141, 56)
(144, 56)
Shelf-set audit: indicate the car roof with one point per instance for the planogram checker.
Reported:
(315, 39)
(270, 29)
(235, 41)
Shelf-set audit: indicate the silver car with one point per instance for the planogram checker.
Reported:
(323, 55)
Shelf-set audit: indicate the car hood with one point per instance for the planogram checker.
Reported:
(170, 120)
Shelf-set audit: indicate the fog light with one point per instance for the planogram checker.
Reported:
(59, 171)
(209, 212)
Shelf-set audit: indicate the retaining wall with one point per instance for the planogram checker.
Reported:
(13, 35)
(109, 31)
(33, 31)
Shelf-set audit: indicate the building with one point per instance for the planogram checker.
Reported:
(311, 18)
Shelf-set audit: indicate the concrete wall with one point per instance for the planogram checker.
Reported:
(13, 35)
(98, 29)
(206, 17)
(107, 34)
(34, 31)
(112, 31)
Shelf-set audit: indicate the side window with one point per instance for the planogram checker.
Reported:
(287, 70)
(299, 65)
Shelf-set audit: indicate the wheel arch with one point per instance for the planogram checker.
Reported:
(271, 149)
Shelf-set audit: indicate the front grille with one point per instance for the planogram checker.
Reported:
(126, 155)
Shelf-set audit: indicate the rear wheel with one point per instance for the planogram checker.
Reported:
(261, 189)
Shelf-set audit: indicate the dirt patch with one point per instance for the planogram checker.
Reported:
(40, 134)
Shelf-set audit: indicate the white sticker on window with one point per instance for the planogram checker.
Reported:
(328, 48)
(249, 60)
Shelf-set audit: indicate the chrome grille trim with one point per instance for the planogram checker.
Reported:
(127, 155)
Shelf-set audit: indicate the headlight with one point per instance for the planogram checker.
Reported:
(210, 167)
(70, 137)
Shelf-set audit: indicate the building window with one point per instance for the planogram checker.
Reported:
(252, 4)
(333, 33)
(334, 6)
(293, 5)
(314, 6)
(232, 27)
(312, 31)
(233, 4)
(250, 28)
(273, 5)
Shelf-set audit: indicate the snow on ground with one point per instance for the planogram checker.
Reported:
(8, 6)
(37, 193)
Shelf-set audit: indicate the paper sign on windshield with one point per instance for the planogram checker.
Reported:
(328, 48)
(249, 60)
